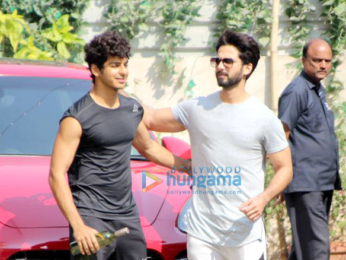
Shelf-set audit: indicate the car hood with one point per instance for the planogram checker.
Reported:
(26, 200)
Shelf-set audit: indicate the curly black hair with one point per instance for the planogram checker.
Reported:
(248, 48)
(103, 46)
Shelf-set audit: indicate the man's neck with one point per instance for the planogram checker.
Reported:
(105, 96)
(234, 95)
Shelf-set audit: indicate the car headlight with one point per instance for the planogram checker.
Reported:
(184, 215)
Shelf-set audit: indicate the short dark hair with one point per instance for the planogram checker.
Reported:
(105, 45)
(307, 45)
(248, 48)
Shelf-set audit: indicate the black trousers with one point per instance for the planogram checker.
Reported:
(129, 247)
(309, 215)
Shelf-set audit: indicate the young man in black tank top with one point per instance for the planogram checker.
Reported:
(94, 145)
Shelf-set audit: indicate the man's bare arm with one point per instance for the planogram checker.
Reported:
(64, 150)
(155, 152)
(160, 120)
(282, 163)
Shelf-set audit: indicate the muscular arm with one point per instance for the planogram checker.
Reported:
(282, 163)
(160, 120)
(64, 150)
(155, 152)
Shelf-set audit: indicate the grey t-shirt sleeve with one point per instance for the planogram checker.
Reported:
(290, 108)
(181, 112)
(274, 139)
(70, 112)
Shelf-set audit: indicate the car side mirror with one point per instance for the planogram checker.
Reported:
(177, 147)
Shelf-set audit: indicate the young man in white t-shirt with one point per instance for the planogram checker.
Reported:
(233, 132)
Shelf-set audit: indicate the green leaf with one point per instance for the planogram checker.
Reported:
(264, 41)
(52, 35)
(63, 21)
(143, 27)
(63, 51)
(330, 2)
(14, 32)
(57, 15)
(191, 84)
(72, 39)
(340, 10)
(22, 54)
(145, 3)
(37, 10)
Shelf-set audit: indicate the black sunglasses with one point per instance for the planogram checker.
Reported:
(227, 62)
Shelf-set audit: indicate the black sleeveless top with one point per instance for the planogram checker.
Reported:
(100, 175)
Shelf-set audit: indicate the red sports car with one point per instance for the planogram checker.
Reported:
(33, 97)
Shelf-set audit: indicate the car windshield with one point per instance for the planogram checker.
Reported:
(30, 110)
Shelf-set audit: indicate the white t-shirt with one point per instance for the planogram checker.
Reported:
(229, 145)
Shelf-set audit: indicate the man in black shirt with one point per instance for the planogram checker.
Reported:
(94, 145)
(309, 126)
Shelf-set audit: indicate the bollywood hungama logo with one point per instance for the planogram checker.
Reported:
(201, 178)
(151, 177)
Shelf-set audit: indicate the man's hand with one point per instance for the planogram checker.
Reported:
(253, 208)
(86, 239)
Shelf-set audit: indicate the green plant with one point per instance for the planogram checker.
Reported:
(12, 26)
(252, 17)
(176, 16)
(40, 15)
(129, 17)
(30, 51)
(44, 12)
(298, 12)
(15, 28)
(277, 213)
(60, 35)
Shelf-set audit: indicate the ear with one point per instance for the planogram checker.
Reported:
(95, 70)
(247, 69)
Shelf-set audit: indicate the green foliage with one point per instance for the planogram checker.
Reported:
(298, 12)
(13, 30)
(271, 210)
(337, 222)
(176, 16)
(60, 35)
(335, 14)
(12, 26)
(44, 12)
(32, 44)
(129, 17)
(30, 51)
(41, 15)
(247, 16)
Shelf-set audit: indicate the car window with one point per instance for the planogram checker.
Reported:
(30, 111)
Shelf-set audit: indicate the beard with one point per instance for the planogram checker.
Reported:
(229, 82)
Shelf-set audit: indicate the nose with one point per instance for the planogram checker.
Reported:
(323, 64)
(123, 70)
(220, 66)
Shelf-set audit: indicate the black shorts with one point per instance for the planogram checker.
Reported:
(129, 247)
